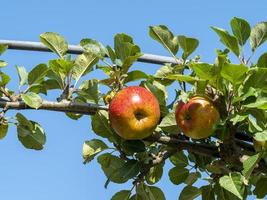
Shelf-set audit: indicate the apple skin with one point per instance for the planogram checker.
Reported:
(134, 113)
(197, 118)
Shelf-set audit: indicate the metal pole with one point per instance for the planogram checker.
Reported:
(76, 49)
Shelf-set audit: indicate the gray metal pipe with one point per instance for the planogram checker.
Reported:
(76, 49)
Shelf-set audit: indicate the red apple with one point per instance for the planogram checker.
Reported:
(134, 113)
(197, 118)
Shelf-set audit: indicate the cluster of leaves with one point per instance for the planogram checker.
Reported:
(238, 90)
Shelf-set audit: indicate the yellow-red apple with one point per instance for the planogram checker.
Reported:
(197, 118)
(134, 113)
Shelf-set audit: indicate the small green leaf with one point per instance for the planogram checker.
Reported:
(111, 54)
(154, 174)
(4, 79)
(122, 195)
(55, 43)
(111, 166)
(234, 73)
(3, 128)
(262, 61)
(23, 75)
(89, 90)
(241, 30)
(189, 193)
(183, 78)
(258, 35)
(164, 36)
(3, 48)
(94, 47)
(100, 124)
(83, 64)
(130, 169)
(61, 66)
(168, 124)
(257, 79)
(260, 103)
(145, 192)
(260, 189)
(133, 146)
(135, 75)
(178, 175)
(234, 184)
(3, 63)
(30, 133)
(207, 192)
(179, 159)
(32, 99)
(261, 136)
(249, 164)
(192, 178)
(91, 148)
(189, 45)
(238, 118)
(37, 74)
(228, 40)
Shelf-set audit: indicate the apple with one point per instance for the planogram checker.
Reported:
(197, 118)
(134, 113)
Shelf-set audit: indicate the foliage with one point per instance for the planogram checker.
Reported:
(227, 160)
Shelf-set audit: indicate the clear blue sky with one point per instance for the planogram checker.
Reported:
(57, 172)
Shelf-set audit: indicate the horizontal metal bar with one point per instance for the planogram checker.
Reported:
(76, 49)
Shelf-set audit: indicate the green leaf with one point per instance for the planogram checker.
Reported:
(145, 192)
(89, 90)
(238, 118)
(234, 73)
(241, 30)
(91, 148)
(261, 136)
(135, 75)
(122, 195)
(183, 78)
(32, 99)
(192, 178)
(189, 45)
(83, 64)
(204, 71)
(3, 63)
(133, 146)
(260, 188)
(179, 159)
(3, 128)
(61, 67)
(30, 133)
(111, 54)
(228, 40)
(189, 193)
(257, 79)
(37, 74)
(164, 71)
(100, 124)
(55, 43)
(258, 35)
(207, 192)
(168, 124)
(111, 166)
(260, 103)
(4, 79)
(250, 163)
(164, 36)
(23, 75)
(234, 184)
(262, 61)
(130, 169)
(94, 47)
(3, 48)
(178, 175)
(154, 174)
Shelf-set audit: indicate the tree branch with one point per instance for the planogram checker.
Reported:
(64, 106)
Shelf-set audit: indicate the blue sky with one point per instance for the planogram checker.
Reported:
(57, 172)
